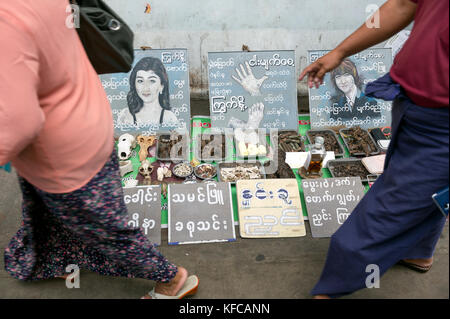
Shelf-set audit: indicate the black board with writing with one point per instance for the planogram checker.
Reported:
(255, 89)
(330, 202)
(341, 100)
(144, 210)
(200, 213)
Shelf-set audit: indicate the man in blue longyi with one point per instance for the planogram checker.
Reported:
(397, 221)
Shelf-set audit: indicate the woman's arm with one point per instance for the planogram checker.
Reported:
(394, 15)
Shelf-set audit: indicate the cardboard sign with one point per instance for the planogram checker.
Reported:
(154, 96)
(200, 213)
(329, 202)
(340, 100)
(144, 210)
(251, 90)
(270, 209)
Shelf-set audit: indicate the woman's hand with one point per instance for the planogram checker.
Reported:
(317, 70)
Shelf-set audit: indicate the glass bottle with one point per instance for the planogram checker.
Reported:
(317, 154)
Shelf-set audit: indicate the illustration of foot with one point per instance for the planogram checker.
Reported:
(255, 115)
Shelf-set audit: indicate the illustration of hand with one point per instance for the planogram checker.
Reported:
(248, 80)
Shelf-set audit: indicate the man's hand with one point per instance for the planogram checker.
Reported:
(317, 70)
(395, 15)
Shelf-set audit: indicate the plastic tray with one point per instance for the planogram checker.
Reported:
(233, 164)
(186, 147)
(333, 163)
(342, 153)
(302, 142)
(197, 148)
(342, 133)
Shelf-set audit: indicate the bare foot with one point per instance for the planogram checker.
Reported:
(174, 286)
(321, 297)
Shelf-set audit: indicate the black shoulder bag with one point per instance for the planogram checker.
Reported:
(107, 39)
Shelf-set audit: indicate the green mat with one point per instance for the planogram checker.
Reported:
(202, 124)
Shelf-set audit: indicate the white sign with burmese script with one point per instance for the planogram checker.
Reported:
(270, 208)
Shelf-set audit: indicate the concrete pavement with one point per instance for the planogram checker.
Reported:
(245, 269)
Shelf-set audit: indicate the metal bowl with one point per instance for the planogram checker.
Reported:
(191, 169)
(199, 167)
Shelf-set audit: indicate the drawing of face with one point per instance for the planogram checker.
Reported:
(345, 82)
(148, 86)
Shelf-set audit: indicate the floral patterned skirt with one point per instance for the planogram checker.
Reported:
(87, 228)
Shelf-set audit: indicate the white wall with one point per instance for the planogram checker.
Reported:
(204, 26)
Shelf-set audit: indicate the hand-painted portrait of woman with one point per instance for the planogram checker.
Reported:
(148, 99)
(350, 97)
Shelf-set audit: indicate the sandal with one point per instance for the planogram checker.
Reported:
(189, 288)
(418, 268)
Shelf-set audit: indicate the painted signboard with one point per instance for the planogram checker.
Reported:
(154, 96)
(251, 90)
(340, 101)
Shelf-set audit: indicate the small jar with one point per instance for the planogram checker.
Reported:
(317, 154)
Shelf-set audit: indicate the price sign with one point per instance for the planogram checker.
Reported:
(330, 202)
(144, 210)
(200, 213)
(270, 208)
